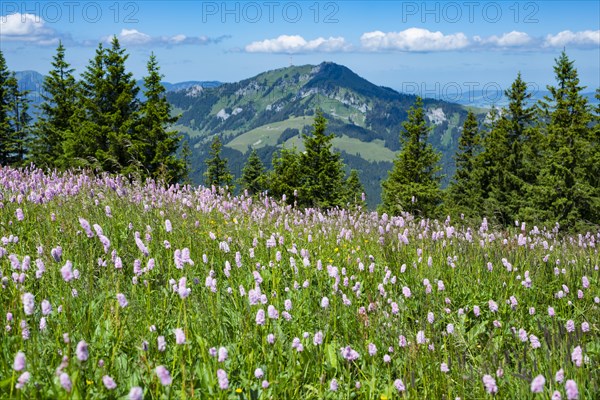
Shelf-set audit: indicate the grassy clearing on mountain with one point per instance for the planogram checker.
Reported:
(267, 135)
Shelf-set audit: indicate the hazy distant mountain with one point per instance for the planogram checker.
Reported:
(30, 80)
(175, 87)
(33, 82)
(495, 97)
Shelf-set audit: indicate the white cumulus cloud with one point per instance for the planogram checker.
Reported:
(26, 28)
(423, 40)
(413, 39)
(582, 39)
(297, 44)
(510, 39)
(133, 37)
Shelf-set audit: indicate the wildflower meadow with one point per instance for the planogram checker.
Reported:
(119, 290)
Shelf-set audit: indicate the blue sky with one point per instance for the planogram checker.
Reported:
(426, 46)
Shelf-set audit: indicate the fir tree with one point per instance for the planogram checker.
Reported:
(522, 134)
(565, 193)
(464, 193)
(354, 190)
(122, 115)
(284, 179)
(5, 105)
(493, 174)
(19, 123)
(217, 173)
(89, 127)
(594, 170)
(14, 118)
(186, 156)
(105, 134)
(413, 184)
(253, 175)
(487, 158)
(158, 147)
(59, 107)
(322, 174)
(513, 149)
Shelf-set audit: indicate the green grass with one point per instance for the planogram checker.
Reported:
(362, 262)
(267, 135)
(370, 151)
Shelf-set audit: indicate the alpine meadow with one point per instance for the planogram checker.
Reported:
(299, 232)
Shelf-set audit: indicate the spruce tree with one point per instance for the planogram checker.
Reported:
(253, 175)
(158, 145)
(513, 150)
(88, 133)
(5, 105)
(217, 173)
(122, 117)
(285, 177)
(493, 173)
(59, 106)
(522, 133)
(14, 118)
(105, 134)
(594, 170)
(464, 194)
(19, 123)
(565, 192)
(487, 158)
(413, 184)
(354, 190)
(322, 171)
(186, 157)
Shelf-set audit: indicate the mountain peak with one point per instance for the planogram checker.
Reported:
(329, 75)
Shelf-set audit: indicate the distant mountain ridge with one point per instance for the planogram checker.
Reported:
(33, 82)
(186, 85)
(489, 98)
(286, 93)
(173, 87)
(273, 109)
